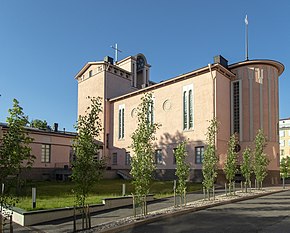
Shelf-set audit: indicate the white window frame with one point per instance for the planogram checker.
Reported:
(282, 133)
(187, 109)
(159, 160)
(46, 153)
(282, 143)
(121, 121)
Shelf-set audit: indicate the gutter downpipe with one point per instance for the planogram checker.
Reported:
(214, 91)
(213, 97)
(105, 111)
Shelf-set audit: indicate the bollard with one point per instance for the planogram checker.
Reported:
(123, 189)
(33, 198)
(174, 192)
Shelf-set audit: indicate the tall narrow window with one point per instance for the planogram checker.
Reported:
(188, 117)
(121, 121)
(184, 110)
(150, 113)
(158, 157)
(199, 151)
(128, 158)
(236, 107)
(190, 109)
(174, 155)
(45, 153)
(115, 159)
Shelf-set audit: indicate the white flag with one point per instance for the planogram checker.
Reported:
(246, 20)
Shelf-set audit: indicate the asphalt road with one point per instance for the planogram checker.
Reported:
(268, 214)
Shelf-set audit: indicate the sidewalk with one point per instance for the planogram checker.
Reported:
(66, 225)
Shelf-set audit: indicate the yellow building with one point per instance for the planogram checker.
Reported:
(284, 136)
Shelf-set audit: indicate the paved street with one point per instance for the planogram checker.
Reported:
(268, 214)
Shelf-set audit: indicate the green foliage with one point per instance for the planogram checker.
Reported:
(142, 161)
(182, 167)
(259, 157)
(15, 152)
(246, 167)
(86, 169)
(230, 168)
(285, 167)
(39, 124)
(209, 165)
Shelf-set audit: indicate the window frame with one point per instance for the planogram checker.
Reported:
(127, 158)
(199, 153)
(121, 122)
(115, 158)
(158, 155)
(188, 107)
(45, 157)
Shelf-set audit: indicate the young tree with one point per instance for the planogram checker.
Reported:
(246, 167)
(182, 170)
(15, 152)
(230, 168)
(210, 159)
(87, 170)
(142, 161)
(285, 168)
(260, 158)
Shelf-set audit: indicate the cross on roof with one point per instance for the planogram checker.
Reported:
(116, 51)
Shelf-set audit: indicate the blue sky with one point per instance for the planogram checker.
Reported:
(43, 44)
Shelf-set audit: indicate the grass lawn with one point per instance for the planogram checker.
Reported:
(52, 194)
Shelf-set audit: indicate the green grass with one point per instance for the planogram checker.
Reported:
(52, 194)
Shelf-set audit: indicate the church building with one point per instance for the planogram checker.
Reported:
(242, 96)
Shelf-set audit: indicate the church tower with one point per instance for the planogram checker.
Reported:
(108, 79)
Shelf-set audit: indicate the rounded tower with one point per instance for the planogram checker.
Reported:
(255, 105)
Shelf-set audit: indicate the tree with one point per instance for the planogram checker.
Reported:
(15, 152)
(142, 161)
(182, 170)
(209, 164)
(260, 158)
(87, 170)
(285, 168)
(246, 167)
(39, 124)
(230, 168)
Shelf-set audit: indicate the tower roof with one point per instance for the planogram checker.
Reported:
(280, 67)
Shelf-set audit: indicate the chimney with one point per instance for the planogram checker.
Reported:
(221, 60)
(55, 127)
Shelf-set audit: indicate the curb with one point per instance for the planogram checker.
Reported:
(140, 222)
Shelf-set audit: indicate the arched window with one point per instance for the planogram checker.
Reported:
(190, 109)
(184, 110)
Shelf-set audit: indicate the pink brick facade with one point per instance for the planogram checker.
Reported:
(243, 97)
(52, 151)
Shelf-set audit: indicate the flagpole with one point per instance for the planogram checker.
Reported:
(247, 38)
